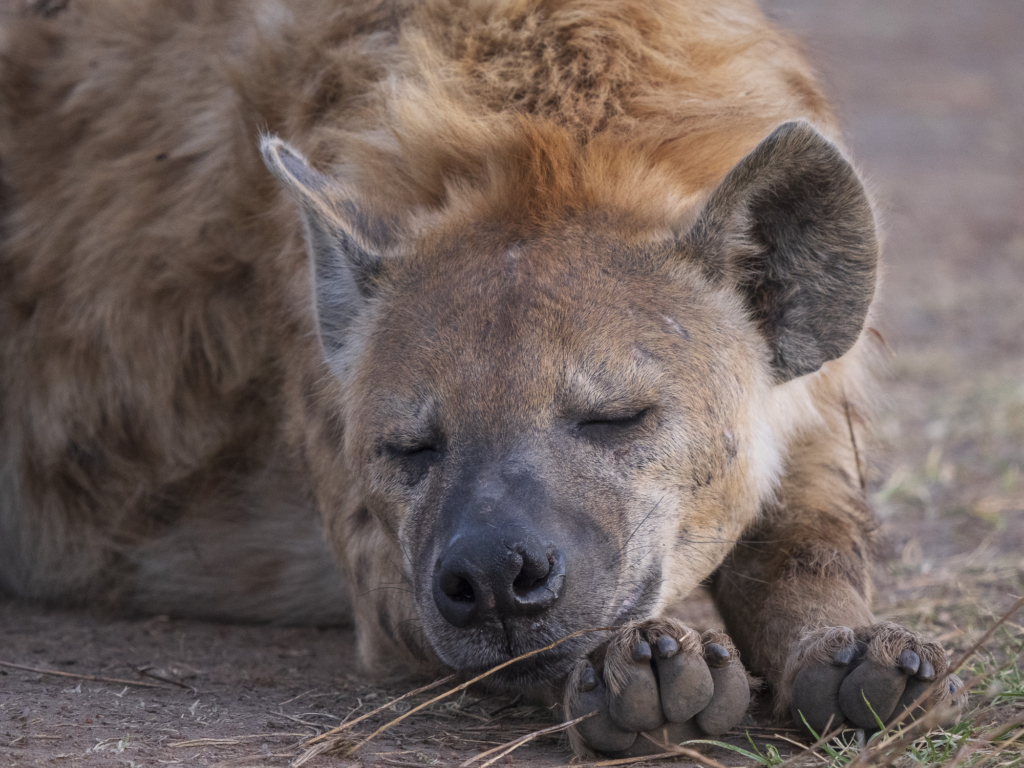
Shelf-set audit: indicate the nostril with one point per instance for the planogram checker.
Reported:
(483, 578)
(458, 589)
(456, 596)
(539, 581)
(533, 573)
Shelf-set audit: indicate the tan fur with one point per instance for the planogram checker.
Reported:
(160, 371)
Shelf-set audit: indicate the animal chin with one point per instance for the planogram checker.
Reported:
(542, 668)
(491, 645)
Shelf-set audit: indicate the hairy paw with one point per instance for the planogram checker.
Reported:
(660, 679)
(858, 677)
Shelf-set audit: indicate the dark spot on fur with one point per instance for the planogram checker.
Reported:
(25, 308)
(362, 517)
(88, 457)
(383, 618)
(161, 156)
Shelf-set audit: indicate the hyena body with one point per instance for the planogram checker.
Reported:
(540, 346)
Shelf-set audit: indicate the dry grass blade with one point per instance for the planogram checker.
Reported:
(825, 737)
(898, 737)
(92, 678)
(477, 679)
(230, 741)
(985, 638)
(885, 751)
(988, 738)
(1009, 742)
(150, 672)
(348, 724)
(631, 760)
(677, 750)
(795, 743)
(515, 744)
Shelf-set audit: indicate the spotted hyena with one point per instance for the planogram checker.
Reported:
(475, 322)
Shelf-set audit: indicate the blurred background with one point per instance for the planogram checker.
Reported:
(931, 94)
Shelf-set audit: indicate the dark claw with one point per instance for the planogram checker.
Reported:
(588, 681)
(909, 662)
(642, 651)
(715, 654)
(667, 646)
(845, 655)
(926, 672)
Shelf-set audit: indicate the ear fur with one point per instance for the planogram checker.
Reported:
(791, 227)
(344, 257)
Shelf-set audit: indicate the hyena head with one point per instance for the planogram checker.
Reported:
(562, 427)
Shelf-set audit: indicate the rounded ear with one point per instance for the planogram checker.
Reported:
(791, 228)
(344, 243)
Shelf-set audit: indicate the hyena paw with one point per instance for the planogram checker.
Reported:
(856, 677)
(658, 678)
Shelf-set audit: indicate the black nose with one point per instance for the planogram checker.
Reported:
(493, 573)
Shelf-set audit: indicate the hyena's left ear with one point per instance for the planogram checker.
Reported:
(792, 228)
(344, 243)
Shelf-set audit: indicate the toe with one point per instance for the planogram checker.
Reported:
(957, 695)
(913, 698)
(869, 694)
(908, 662)
(827, 664)
(944, 699)
(731, 695)
(894, 656)
(634, 704)
(927, 672)
(683, 675)
(598, 732)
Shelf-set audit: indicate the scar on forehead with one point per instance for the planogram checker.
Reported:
(676, 327)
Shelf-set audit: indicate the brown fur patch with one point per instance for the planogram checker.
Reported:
(523, 174)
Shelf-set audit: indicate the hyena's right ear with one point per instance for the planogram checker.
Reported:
(343, 250)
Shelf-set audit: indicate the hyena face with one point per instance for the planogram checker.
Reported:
(551, 446)
(563, 429)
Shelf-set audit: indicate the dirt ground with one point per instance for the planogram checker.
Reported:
(932, 95)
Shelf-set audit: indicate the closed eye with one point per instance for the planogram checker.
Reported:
(411, 451)
(412, 459)
(612, 425)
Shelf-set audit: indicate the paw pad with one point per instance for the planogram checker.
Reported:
(661, 679)
(861, 678)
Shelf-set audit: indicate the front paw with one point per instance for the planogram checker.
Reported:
(658, 678)
(856, 677)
